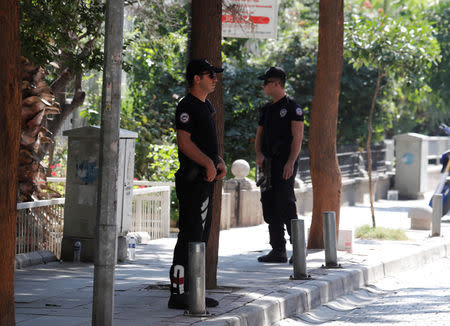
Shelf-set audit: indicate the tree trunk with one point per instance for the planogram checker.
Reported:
(37, 103)
(325, 172)
(205, 42)
(10, 103)
(369, 140)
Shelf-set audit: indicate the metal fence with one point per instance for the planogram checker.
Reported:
(151, 211)
(351, 161)
(39, 226)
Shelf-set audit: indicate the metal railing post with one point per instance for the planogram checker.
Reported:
(299, 249)
(437, 214)
(329, 239)
(196, 256)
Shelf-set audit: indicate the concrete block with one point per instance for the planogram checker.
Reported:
(345, 240)
(35, 258)
(420, 217)
(21, 261)
(292, 303)
(140, 237)
(392, 195)
(47, 256)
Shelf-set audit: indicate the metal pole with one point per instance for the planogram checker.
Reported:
(106, 227)
(329, 238)
(437, 215)
(197, 305)
(299, 249)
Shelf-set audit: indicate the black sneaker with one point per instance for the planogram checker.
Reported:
(181, 301)
(274, 257)
(291, 260)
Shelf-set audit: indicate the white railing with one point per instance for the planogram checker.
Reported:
(437, 145)
(40, 223)
(151, 211)
(39, 226)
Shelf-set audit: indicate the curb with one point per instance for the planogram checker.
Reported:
(33, 258)
(307, 295)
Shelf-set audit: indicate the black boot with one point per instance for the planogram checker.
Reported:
(181, 301)
(274, 256)
(179, 298)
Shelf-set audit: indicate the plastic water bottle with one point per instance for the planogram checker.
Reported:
(77, 251)
(132, 249)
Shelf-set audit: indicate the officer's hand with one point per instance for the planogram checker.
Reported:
(222, 171)
(211, 172)
(260, 160)
(288, 170)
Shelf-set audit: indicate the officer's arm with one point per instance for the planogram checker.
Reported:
(258, 141)
(191, 150)
(297, 137)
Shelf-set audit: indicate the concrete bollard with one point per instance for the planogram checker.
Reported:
(329, 239)
(392, 195)
(437, 215)
(197, 305)
(299, 249)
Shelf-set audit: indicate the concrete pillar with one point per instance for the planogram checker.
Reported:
(245, 205)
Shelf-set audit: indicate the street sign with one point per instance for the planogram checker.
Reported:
(250, 18)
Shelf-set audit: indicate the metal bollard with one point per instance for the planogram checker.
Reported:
(329, 239)
(197, 305)
(437, 215)
(299, 250)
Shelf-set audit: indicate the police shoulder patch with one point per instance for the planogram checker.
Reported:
(184, 117)
(283, 112)
(299, 111)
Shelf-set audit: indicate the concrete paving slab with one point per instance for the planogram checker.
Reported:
(250, 293)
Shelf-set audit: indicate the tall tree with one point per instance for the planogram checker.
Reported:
(400, 48)
(10, 102)
(205, 42)
(325, 172)
(68, 42)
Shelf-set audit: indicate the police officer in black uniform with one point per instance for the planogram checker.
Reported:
(278, 143)
(200, 165)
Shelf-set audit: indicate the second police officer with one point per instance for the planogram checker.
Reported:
(278, 143)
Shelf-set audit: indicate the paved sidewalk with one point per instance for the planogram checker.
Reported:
(250, 293)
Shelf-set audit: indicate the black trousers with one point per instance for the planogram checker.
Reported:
(195, 208)
(278, 203)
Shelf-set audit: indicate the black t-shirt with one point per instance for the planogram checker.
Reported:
(196, 118)
(275, 118)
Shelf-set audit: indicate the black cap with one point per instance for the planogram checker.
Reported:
(273, 72)
(197, 66)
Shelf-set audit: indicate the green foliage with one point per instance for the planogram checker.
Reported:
(66, 32)
(241, 111)
(403, 46)
(439, 77)
(357, 88)
(155, 65)
(164, 162)
(92, 106)
(380, 233)
(402, 50)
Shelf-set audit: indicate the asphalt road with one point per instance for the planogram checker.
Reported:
(416, 297)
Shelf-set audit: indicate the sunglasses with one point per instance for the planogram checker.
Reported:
(268, 81)
(211, 74)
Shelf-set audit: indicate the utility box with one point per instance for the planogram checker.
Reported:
(80, 209)
(411, 157)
